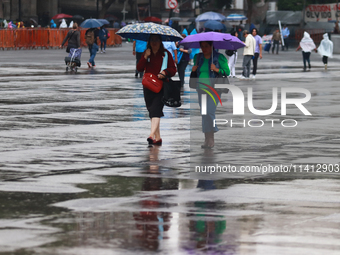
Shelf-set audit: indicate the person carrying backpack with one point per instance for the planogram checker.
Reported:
(91, 36)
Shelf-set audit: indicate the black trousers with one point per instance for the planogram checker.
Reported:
(306, 59)
(325, 60)
(181, 66)
(138, 56)
(256, 57)
(286, 44)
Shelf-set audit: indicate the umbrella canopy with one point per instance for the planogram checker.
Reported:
(62, 16)
(110, 17)
(210, 16)
(153, 19)
(104, 21)
(236, 17)
(175, 18)
(220, 41)
(91, 23)
(77, 17)
(34, 22)
(214, 25)
(142, 31)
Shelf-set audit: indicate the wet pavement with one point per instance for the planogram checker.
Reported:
(77, 176)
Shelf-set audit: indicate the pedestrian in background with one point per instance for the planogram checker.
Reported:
(326, 49)
(91, 36)
(258, 50)
(208, 65)
(232, 57)
(285, 35)
(276, 41)
(151, 62)
(138, 48)
(183, 58)
(307, 45)
(73, 38)
(103, 38)
(248, 53)
(171, 47)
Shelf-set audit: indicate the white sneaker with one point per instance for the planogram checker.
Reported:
(253, 77)
(101, 52)
(242, 77)
(104, 51)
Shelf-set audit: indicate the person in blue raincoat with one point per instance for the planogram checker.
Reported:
(138, 48)
(53, 24)
(193, 51)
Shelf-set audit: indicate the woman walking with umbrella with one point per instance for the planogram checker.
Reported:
(91, 36)
(151, 62)
(210, 65)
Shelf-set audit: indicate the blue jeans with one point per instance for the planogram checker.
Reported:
(102, 42)
(93, 52)
(246, 65)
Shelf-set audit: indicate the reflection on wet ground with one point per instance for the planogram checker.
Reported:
(77, 176)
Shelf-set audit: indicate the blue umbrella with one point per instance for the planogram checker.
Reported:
(142, 32)
(91, 23)
(236, 17)
(214, 25)
(210, 16)
(104, 21)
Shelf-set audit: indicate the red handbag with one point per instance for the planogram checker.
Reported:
(151, 82)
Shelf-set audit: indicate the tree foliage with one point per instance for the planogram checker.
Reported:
(202, 3)
(219, 4)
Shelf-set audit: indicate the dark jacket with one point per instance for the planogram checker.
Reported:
(73, 37)
(103, 34)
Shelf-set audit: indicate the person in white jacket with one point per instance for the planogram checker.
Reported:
(248, 53)
(326, 49)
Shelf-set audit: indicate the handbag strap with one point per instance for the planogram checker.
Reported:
(71, 35)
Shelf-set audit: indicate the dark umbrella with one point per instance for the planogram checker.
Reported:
(175, 18)
(220, 41)
(35, 23)
(153, 19)
(110, 17)
(214, 25)
(78, 17)
(91, 23)
(104, 21)
(62, 16)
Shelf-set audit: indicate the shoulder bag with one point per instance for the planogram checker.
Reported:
(151, 81)
(222, 79)
(172, 90)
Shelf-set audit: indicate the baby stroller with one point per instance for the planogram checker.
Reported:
(73, 60)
